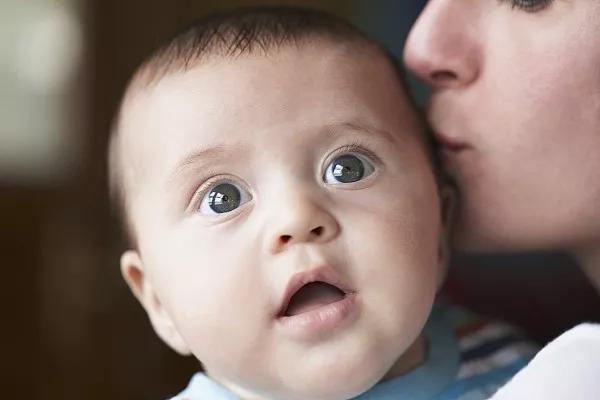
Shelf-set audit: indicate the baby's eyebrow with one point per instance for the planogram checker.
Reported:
(358, 126)
(219, 152)
(203, 156)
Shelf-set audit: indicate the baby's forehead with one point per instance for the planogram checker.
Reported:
(226, 101)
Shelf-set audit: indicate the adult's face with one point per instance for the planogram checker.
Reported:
(516, 107)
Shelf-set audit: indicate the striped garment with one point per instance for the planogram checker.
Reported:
(491, 353)
(468, 358)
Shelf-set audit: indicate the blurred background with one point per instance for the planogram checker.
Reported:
(71, 329)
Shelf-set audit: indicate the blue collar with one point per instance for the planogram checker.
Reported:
(434, 375)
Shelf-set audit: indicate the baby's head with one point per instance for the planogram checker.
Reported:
(282, 203)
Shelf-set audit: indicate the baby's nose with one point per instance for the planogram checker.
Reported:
(304, 223)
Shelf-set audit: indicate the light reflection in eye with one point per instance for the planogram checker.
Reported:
(348, 168)
(223, 198)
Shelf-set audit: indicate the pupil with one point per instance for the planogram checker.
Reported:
(224, 198)
(348, 168)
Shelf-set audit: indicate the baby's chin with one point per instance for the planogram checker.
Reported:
(327, 387)
(337, 381)
(331, 385)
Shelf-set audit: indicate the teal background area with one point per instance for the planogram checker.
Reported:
(389, 22)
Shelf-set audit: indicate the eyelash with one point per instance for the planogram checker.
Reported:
(529, 6)
(354, 147)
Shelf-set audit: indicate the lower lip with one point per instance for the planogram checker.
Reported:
(312, 324)
(450, 155)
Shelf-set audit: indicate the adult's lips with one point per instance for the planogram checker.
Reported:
(447, 130)
(448, 143)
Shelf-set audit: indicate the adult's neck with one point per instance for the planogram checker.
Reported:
(589, 259)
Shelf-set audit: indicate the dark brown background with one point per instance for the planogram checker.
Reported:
(71, 329)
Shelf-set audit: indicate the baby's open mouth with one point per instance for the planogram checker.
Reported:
(316, 303)
(312, 296)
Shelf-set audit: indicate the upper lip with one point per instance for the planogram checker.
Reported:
(447, 142)
(320, 274)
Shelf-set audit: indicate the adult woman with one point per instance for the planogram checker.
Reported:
(516, 109)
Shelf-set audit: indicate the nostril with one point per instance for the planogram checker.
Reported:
(285, 238)
(317, 231)
(443, 76)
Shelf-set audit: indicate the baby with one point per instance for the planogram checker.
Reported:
(285, 221)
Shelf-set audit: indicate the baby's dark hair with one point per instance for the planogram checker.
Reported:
(228, 35)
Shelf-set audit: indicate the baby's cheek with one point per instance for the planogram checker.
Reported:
(216, 285)
(226, 316)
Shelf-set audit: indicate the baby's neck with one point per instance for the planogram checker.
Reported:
(589, 258)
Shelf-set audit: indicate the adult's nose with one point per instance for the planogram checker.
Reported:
(444, 46)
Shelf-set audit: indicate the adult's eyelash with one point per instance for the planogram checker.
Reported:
(530, 6)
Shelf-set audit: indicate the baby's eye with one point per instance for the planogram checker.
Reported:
(348, 168)
(223, 198)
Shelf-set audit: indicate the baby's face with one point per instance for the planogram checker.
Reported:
(251, 178)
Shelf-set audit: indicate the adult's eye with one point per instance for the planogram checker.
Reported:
(348, 168)
(529, 5)
(222, 198)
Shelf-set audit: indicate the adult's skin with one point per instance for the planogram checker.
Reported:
(516, 106)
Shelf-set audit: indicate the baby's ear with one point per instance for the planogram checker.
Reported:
(448, 203)
(132, 269)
